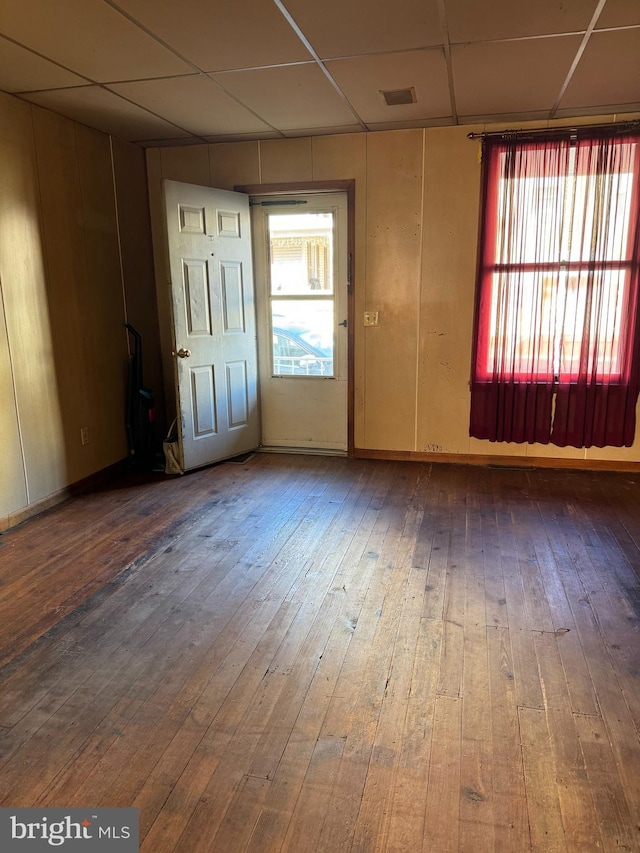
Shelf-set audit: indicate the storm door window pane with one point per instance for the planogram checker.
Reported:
(301, 252)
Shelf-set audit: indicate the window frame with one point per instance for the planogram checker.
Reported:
(490, 269)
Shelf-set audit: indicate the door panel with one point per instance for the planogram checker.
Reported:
(203, 395)
(195, 277)
(232, 298)
(238, 391)
(209, 243)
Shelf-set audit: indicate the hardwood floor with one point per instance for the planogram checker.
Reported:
(322, 654)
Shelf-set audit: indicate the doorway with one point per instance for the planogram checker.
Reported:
(302, 270)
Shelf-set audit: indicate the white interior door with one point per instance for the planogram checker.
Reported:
(301, 263)
(209, 242)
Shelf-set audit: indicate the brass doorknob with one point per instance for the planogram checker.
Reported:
(183, 353)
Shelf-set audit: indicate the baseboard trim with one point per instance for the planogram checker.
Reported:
(497, 461)
(301, 451)
(93, 481)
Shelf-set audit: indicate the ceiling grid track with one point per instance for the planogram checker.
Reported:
(578, 56)
(161, 74)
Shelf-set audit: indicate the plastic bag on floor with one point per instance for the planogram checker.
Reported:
(171, 451)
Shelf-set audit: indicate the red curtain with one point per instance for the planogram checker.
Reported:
(557, 337)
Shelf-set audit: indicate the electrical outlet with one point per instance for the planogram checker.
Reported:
(84, 435)
(371, 318)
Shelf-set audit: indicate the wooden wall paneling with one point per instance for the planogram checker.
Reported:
(551, 451)
(285, 160)
(33, 460)
(106, 350)
(394, 241)
(28, 317)
(234, 163)
(12, 473)
(134, 228)
(66, 278)
(344, 157)
(339, 157)
(163, 287)
(187, 163)
(27, 311)
(451, 199)
(487, 449)
(411, 374)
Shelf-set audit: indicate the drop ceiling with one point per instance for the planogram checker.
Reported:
(162, 72)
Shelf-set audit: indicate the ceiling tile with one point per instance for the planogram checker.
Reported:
(510, 59)
(624, 112)
(323, 131)
(407, 125)
(349, 27)
(195, 103)
(105, 111)
(608, 72)
(22, 71)
(223, 35)
(289, 97)
(471, 21)
(364, 78)
(519, 118)
(169, 142)
(511, 77)
(88, 37)
(620, 13)
(243, 137)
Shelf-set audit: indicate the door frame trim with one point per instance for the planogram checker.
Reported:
(349, 187)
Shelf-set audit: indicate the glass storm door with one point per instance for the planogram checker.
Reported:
(301, 280)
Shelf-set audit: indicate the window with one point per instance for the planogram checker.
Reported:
(556, 343)
(301, 252)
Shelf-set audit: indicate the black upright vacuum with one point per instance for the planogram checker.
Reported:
(140, 409)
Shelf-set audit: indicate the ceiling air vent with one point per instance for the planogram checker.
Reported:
(397, 97)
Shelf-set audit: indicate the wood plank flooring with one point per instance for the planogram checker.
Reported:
(322, 654)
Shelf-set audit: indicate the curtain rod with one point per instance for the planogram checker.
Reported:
(614, 127)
